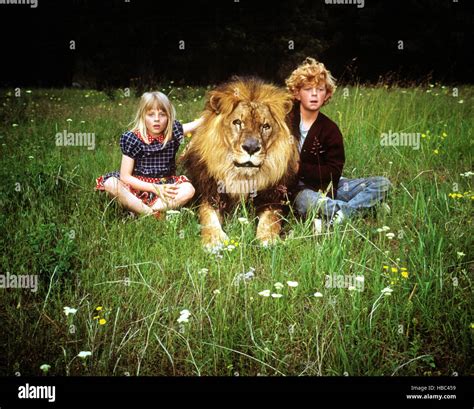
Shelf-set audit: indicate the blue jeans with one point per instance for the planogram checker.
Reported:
(352, 195)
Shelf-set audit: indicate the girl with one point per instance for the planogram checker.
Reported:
(146, 183)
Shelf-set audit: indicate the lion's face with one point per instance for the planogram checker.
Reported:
(251, 130)
(244, 138)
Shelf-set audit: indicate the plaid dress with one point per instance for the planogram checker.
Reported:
(154, 162)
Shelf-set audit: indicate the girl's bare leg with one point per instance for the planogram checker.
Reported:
(128, 200)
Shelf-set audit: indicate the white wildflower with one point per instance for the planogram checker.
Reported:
(69, 310)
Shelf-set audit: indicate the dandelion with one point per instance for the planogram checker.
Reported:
(45, 368)
(292, 283)
(69, 310)
(436, 151)
(405, 274)
(385, 267)
(264, 293)
(317, 294)
(99, 308)
(189, 134)
(278, 286)
(394, 270)
(472, 325)
(275, 295)
(102, 321)
(390, 236)
(387, 291)
(84, 354)
(184, 316)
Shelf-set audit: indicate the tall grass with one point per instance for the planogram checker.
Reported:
(89, 253)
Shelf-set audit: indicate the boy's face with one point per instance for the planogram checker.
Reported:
(156, 121)
(312, 97)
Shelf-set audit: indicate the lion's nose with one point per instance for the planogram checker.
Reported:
(251, 145)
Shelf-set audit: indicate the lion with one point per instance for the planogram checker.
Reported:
(242, 151)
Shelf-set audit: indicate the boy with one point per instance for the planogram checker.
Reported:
(320, 184)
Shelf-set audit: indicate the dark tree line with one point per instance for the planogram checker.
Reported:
(120, 42)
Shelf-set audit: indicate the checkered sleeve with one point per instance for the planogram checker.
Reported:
(178, 132)
(130, 144)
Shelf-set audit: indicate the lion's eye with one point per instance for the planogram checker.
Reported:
(266, 126)
(237, 122)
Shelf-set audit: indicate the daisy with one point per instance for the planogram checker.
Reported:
(68, 310)
(184, 316)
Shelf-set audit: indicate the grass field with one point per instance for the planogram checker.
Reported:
(129, 279)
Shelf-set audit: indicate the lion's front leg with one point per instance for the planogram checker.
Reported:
(212, 234)
(269, 226)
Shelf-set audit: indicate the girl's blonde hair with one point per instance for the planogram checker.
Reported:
(310, 72)
(152, 100)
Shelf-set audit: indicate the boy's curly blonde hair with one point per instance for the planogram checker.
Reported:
(310, 72)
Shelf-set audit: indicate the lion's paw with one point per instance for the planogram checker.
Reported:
(213, 242)
(269, 241)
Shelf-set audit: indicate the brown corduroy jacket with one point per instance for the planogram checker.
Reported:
(322, 155)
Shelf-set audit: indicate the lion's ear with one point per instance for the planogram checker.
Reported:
(215, 101)
(288, 106)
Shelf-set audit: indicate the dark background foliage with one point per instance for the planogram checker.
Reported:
(120, 42)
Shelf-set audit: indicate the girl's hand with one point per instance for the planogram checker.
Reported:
(166, 192)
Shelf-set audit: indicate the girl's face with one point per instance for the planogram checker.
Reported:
(156, 121)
